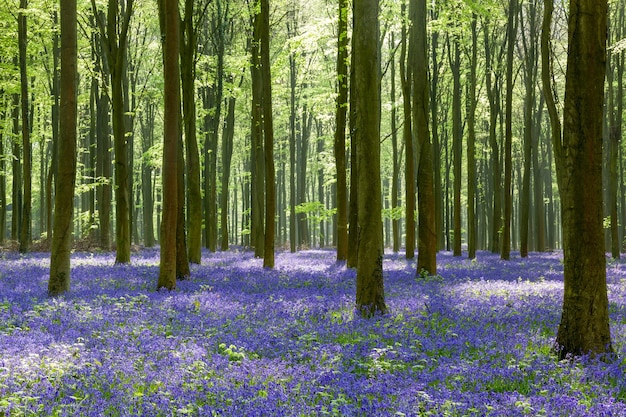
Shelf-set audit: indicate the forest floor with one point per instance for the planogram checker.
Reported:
(239, 340)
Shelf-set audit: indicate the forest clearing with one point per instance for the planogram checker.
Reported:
(237, 339)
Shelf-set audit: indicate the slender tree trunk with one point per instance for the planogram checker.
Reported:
(494, 109)
(182, 260)
(427, 238)
(147, 127)
(268, 133)
(406, 74)
(353, 209)
(613, 145)
(471, 146)
(55, 93)
(370, 296)
(508, 138)
(188, 49)
(457, 139)
(227, 154)
(114, 37)
(340, 132)
(395, 176)
(257, 151)
(293, 79)
(25, 224)
(3, 183)
(170, 29)
(529, 40)
(434, 110)
(64, 194)
(16, 216)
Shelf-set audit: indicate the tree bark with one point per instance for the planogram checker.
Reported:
(584, 326)
(188, 48)
(508, 137)
(25, 224)
(147, 127)
(114, 38)
(457, 140)
(171, 138)
(493, 92)
(268, 133)
(471, 146)
(370, 296)
(257, 152)
(340, 132)
(406, 75)
(427, 235)
(227, 153)
(59, 282)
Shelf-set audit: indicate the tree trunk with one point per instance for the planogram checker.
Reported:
(64, 194)
(188, 49)
(227, 154)
(3, 183)
(457, 139)
(25, 224)
(529, 42)
(584, 327)
(493, 92)
(508, 138)
(114, 38)
(147, 127)
(370, 296)
(471, 146)
(340, 132)
(257, 152)
(268, 133)
(406, 74)
(16, 199)
(170, 29)
(427, 237)
(434, 110)
(395, 175)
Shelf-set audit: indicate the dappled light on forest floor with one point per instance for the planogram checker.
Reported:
(239, 340)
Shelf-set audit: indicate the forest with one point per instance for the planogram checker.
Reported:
(446, 148)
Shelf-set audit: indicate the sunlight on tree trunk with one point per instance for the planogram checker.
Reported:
(584, 327)
(64, 195)
(171, 75)
(370, 295)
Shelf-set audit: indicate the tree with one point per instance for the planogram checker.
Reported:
(257, 158)
(268, 134)
(340, 131)
(114, 38)
(427, 236)
(471, 144)
(584, 326)
(171, 139)
(370, 295)
(454, 50)
(189, 46)
(64, 194)
(406, 76)
(25, 226)
(508, 139)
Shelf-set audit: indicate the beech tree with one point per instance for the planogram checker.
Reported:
(171, 139)
(25, 224)
(584, 326)
(66, 177)
(114, 38)
(370, 294)
(427, 236)
(340, 132)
